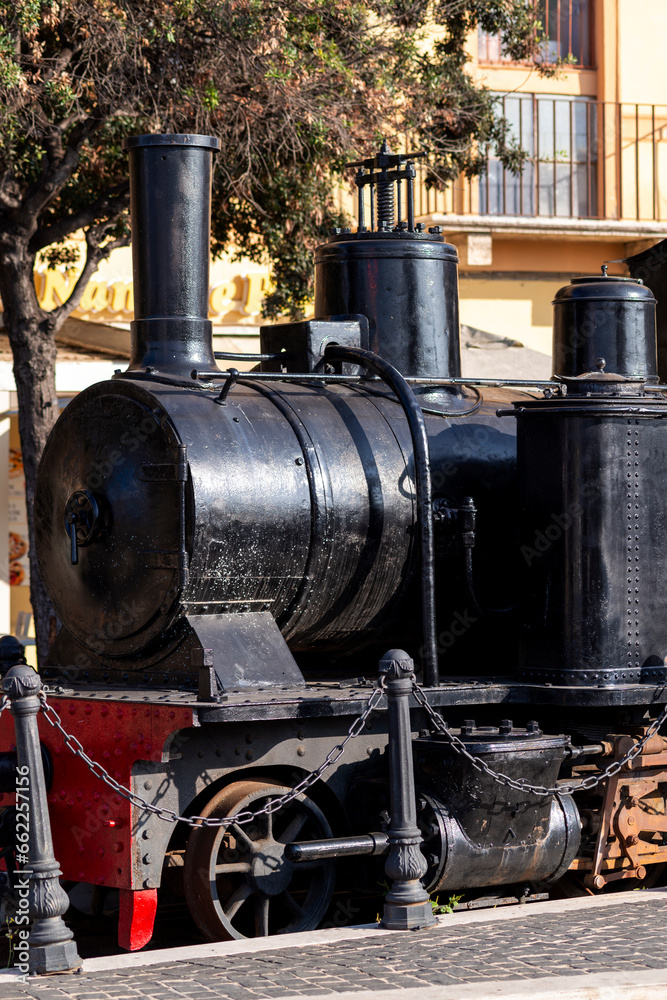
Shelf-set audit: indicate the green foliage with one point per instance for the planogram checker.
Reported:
(61, 255)
(11, 934)
(267, 230)
(447, 907)
(293, 91)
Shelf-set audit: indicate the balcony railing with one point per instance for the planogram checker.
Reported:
(585, 160)
(568, 26)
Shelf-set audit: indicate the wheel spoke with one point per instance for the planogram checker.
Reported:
(292, 905)
(232, 866)
(236, 901)
(265, 823)
(262, 916)
(293, 828)
(241, 835)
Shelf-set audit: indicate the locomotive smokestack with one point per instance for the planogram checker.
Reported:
(170, 199)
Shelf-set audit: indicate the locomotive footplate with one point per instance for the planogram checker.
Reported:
(343, 697)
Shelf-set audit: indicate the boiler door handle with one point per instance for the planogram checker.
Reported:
(74, 543)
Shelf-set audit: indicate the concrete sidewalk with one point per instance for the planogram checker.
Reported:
(594, 948)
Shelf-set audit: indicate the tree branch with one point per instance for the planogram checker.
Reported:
(65, 123)
(94, 254)
(10, 193)
(110, 204)
(59, 62)
(40, 195)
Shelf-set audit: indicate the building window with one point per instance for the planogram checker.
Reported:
(489, 49)
(567, 26)
(559, 176)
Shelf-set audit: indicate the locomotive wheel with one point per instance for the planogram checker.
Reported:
(237, 880)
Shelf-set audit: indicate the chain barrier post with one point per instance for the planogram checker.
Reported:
(51, 944)
(407, 904)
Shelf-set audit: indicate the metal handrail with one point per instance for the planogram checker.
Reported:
(585, 160)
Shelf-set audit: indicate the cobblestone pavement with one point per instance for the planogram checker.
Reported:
(596, 940)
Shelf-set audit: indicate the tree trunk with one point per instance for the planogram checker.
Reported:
(31, 334)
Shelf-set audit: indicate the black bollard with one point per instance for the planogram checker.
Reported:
(407, 904)
(50, 944)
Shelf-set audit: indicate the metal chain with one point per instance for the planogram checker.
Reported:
(240, 818)
(4, 703)
(521, 785)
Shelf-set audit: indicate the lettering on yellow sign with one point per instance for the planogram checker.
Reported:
(223, 298)
(236, 299)
(120, 297)
(256, 287)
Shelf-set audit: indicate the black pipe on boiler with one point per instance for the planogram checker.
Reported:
(422, 460)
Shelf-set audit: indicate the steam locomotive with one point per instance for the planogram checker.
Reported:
(230, 553)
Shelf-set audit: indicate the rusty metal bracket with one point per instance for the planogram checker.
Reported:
(633, 827)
